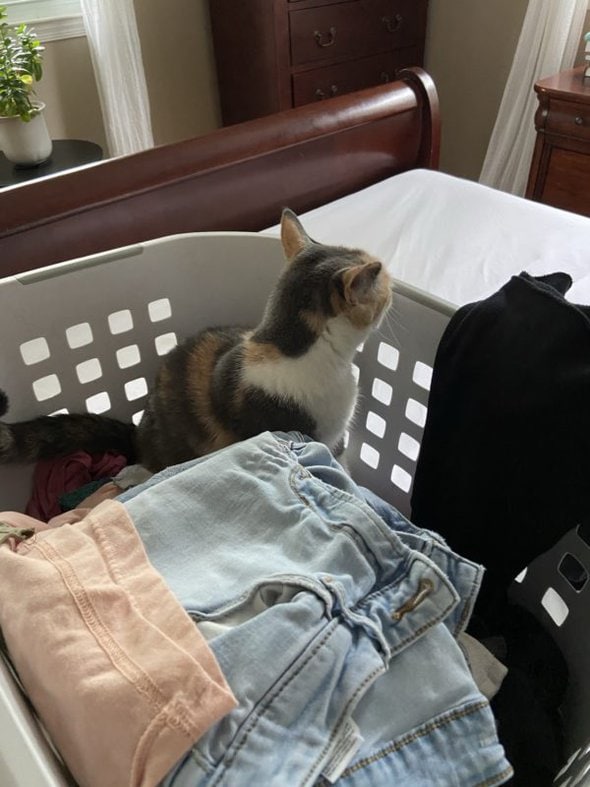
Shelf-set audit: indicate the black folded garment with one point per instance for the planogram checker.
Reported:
(503, 473)
(504, 467)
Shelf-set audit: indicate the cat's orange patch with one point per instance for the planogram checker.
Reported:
(315, 322)
(164, 377)
(199, 373)
(363, 314)
(260, 352)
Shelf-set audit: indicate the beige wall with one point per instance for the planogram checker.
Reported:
(69, 91)
(469, 50)
(470, 44)
(178, 60)
(179, 67)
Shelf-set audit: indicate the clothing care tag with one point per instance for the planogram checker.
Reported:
(344, 748)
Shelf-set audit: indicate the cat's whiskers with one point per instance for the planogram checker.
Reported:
(345, 355)
(387, 331)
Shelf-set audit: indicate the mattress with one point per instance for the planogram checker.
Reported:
(456, 239)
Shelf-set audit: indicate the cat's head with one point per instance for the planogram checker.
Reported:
(333, 281)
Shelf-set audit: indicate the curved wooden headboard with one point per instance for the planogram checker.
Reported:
(235, 178)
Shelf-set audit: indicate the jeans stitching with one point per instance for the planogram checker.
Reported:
(411, 737)
(343, 717)
(469, 602)
(399, 550)
(254, 722)
(265, 704)
(294, 472)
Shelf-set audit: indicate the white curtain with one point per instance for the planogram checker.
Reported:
(548, 43)
(115, 49)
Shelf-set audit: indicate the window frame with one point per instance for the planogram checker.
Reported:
(52, 20)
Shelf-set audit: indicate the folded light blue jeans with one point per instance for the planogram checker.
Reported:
(335, 631)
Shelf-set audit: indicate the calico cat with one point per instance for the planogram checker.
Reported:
(292, 372)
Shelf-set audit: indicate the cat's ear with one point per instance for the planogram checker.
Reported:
(293, 237)
(358, 282)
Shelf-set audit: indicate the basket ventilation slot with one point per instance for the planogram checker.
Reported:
(573, 571)
(101, 378)
(386, 374)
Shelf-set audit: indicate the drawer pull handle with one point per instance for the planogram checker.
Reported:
(328, 41)
(384, 76)
(579, 120)
(320, 94)
(392, 25)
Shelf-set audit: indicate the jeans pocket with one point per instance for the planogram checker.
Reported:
(258, 640)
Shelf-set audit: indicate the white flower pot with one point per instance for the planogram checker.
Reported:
(26, 143)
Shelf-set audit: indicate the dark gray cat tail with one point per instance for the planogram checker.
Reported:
(50, 436)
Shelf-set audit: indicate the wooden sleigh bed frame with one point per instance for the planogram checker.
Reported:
(235, 178)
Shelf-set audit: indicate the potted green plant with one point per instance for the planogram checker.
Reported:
(24, 138)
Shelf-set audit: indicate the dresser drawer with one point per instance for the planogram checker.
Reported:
(566, 181)
(568, 118)
(318, 2)
(336, 80)
(354, 29)
(271, 54)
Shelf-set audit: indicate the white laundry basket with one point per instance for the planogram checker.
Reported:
(88, 334)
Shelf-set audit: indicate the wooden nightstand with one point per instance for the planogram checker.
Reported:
(560, 170)
(277, 54)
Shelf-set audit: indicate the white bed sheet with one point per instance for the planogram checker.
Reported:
(454, 238)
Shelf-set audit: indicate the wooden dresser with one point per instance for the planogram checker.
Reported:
(560, 169)
(277, 54)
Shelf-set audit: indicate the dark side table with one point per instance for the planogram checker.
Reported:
(67, 153)
(560, 169)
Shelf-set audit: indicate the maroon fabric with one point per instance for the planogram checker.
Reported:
(54, 477)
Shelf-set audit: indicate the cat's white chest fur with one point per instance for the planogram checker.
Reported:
(321, 380)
